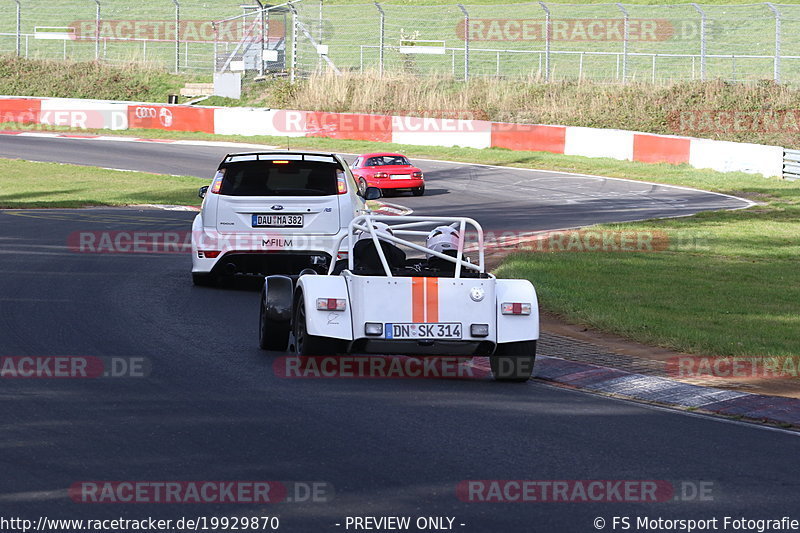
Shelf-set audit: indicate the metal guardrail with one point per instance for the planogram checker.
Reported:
(791, 164)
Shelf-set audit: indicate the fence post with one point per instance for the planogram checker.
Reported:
(547, 23)
(624, 43)
(466, 41)
(19, 27)
(382, 37)
(97, 30)
(702, 41)
(777, 68)
(177, 35)
(261, 10)
(215, 29)
(319, 37)
(319, 23)
(264, 38)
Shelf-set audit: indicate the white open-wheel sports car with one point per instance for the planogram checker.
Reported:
(406, 287)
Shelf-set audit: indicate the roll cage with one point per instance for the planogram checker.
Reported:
(412, 226)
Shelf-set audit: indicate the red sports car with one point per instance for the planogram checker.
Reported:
(387, 171)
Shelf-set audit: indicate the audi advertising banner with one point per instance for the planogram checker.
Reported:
(176, 118)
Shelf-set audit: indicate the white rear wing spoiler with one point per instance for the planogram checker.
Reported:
(412, 226)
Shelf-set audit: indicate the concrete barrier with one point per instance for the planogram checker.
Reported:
(569, 140)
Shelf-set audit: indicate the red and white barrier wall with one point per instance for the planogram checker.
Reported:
(570, 140)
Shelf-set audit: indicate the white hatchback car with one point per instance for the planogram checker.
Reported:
(274, 213)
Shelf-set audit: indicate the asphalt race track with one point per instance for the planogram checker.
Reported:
(212, 408)
(500, 199)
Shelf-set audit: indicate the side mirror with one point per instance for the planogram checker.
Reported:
(372, 193)
(202, 191)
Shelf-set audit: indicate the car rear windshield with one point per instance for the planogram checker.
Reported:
(386, 160)
(280, 178)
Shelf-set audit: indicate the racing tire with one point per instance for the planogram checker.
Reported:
(304, 344)
(362, 186)
(418, 191)
(203, 280)
(513, 361)
(272, 335)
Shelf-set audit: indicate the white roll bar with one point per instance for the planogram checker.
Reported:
(410, 225)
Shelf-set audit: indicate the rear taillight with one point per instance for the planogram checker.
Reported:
(207, 254)
(341, 185)
(381, 175)
(217, 184)
(416, 174)
(331, 304)
(509, 308)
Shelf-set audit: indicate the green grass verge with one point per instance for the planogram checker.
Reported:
(88, 79)
(26, 184)
(728, 284)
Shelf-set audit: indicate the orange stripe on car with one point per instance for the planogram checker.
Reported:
(417, 300)
(432, 299)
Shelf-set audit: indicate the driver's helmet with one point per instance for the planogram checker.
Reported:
(442, 239)
(380, 228)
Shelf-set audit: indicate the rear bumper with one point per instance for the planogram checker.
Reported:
(398, 183)
(265, 255)
(413, 347)
(267, 264)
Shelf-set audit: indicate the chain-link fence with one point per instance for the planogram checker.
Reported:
(255, 41)
(603, 42)
(176, 34)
